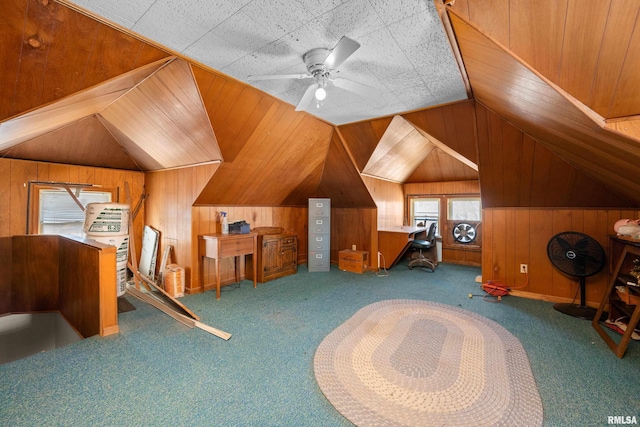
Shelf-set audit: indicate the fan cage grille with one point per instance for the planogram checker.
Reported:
(576, 254)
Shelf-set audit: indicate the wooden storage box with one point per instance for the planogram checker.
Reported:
(353, 261)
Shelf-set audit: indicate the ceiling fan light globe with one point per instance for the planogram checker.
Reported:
(321, 94)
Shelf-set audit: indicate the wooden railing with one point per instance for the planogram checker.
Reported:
(73, 275)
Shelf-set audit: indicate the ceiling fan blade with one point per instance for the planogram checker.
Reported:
(279, 76)
(340, 52)
(359, 88)
(306, 98)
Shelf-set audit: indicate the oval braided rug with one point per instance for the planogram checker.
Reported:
(406, 362)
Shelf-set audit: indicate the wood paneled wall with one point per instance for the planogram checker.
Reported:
(389, 200)
(14, 188)
(168, 209)
(518, 171)
(354, 227)
(551, 116)
(349, 226)
(452, 124)
(515, 236)
(591, 48)
(292, 219)
(451, 251)
(263, 141)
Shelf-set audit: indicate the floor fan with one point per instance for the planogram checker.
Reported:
(577, 255)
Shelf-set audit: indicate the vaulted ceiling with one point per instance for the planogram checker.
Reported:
(403, 52)
(539, 131)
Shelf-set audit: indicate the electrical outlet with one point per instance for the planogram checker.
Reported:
(524, 268)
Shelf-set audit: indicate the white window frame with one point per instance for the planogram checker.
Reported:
(452, 199)
(426, 220)
(36, 190)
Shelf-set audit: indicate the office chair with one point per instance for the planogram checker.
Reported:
(424, 251)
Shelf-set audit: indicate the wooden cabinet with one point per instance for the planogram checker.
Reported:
(277, 254)
(621, 297)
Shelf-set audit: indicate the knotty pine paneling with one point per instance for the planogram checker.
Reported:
(591, 48)
(514, 236)
(19, 172)
(51, 51)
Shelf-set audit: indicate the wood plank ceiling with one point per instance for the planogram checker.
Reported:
(154, 115)
(275, 156)
(541, 109)
(589, 48)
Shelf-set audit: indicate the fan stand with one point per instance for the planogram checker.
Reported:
(581, 311)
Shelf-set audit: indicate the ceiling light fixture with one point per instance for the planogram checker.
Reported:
(321, 94)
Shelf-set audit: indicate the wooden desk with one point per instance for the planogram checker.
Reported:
(393, 242)
(218, 246)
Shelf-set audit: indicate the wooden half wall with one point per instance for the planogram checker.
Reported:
(49, 273)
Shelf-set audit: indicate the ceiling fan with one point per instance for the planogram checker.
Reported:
(320, 62)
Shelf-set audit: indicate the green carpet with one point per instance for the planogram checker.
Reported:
(159, 372)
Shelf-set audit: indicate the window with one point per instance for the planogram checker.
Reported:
(425, 211)
(464, 209)
(54, 211)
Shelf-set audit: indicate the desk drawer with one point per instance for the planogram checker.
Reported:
(235, 247)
